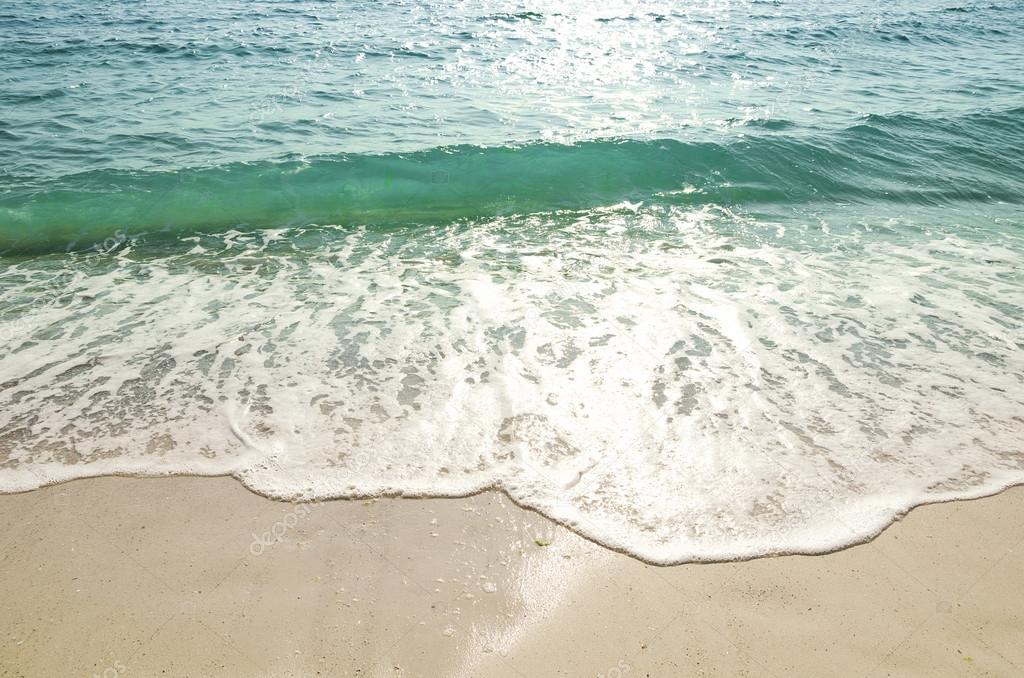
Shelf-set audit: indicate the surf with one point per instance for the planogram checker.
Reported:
(896, 160)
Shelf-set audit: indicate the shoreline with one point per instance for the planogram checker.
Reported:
(115, 573)
(901, 514)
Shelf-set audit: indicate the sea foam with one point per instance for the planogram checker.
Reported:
(679, 384)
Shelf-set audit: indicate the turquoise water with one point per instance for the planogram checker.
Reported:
(701, 282)
(197, 117)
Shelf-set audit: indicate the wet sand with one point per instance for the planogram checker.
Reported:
(200, 577)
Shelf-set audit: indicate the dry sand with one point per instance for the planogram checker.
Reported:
(162, 577)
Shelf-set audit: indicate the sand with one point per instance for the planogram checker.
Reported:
(164, 577)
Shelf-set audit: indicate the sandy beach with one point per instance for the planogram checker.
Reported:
(630, 331)
(200, 577)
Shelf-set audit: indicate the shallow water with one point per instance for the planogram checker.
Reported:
(739, 279)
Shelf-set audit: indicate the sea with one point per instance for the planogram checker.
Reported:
(700, 281)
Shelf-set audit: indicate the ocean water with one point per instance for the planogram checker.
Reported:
(699, 280)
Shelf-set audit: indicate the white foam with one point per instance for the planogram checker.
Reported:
(666, 391)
